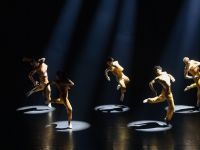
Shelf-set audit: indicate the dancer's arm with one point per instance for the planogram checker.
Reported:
(30, 76)
(106, 74)
(151, 86)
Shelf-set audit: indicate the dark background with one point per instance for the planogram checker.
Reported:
(28, 31)
(33, 23)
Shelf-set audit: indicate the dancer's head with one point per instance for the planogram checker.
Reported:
(158, 69)
(33, 62)
(110, 60)
(41, 60)
(186, 60)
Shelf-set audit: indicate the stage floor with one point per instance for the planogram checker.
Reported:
(106, 130)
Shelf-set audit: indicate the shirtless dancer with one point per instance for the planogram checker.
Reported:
(192, 71)
(117, 71)
(63, 85)
(164, 79)
(39, 68)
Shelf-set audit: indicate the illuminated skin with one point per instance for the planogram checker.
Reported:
(192, 71)
(63, 86)
(164, 79)
(117, 71)
(39, 68)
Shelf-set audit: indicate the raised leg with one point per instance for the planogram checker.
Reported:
(156, 99)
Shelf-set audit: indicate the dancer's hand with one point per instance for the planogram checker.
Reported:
(36, 83)
(108, 78)
(173, 80)
(186, 89)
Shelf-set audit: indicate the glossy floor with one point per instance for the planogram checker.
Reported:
(107, 131)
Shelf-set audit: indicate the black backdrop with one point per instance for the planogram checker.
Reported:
(29, 26)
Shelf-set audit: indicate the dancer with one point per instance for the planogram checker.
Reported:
(117, 71)
(39, 67)
(164, 79)
(192, 71)
(63, 85)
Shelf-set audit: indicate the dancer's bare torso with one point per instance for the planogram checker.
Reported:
(116, 69)
(193, 68)
(41, 70)
(164, 80)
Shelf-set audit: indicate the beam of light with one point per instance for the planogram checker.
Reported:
(86, 69)
(124, 40)
(182, 41)
(58, 45)
(184, 34)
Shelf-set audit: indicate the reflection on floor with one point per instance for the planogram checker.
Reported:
(137, 128)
